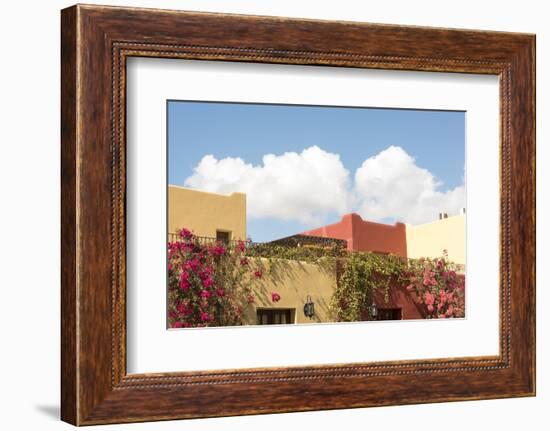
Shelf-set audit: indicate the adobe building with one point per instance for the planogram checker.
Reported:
(405, 240)
(223, 217)
(206, 214)
(430, 239)
(364, 235)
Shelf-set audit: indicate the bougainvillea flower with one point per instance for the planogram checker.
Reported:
(429, 299)
(275, 297)
(185, 284)
(207, 282)
(218, 250)
(194, 263)
(186, 233)
(241, 246)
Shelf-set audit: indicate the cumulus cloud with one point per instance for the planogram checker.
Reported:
(391, 185)
(310, 185)
(292, 186)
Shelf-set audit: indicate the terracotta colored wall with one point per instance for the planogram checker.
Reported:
(400, 298)
(378, 237)
(341, 230)
(364, 235)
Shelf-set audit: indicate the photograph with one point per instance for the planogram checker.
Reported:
(283, 214)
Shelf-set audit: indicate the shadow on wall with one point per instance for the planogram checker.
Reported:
(294, 281)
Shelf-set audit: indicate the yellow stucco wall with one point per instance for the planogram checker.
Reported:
(430, 239)
(204, 213)
(294, 281)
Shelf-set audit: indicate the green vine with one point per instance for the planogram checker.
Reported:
(362, 273)
(357, 274)
(307, 253)
(278, 260)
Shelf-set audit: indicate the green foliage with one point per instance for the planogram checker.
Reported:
(362, 274)
(307, 253)
(276, 260)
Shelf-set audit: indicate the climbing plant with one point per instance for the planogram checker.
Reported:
(208, 284)
(360, 274)
(437, 285)
(277, 261)
(307, 253)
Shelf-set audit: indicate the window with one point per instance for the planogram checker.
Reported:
(223, 236)
(389, 314)
(275, 316)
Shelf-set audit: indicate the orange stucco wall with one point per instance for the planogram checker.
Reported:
(400, 298)
(364, 235)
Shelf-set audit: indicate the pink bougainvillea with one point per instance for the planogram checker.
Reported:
(275, 297)
(437, 285)
(208, 284)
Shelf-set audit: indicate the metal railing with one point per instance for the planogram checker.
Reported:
(203, 240)
(290, 242)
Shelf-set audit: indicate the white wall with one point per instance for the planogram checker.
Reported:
(29, 229)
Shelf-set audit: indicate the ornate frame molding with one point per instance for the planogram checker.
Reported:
(96, 41)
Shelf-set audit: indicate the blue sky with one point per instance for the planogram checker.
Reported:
(434, 140)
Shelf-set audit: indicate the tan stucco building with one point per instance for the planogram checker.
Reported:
(294, 282)
(430, 239)
(207, 214)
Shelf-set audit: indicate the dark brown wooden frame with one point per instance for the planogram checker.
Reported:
(95, 43)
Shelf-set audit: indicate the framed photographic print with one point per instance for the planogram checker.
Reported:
(329, 214)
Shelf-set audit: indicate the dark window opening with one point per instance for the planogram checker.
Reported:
(389, 314)
(274, 316)
(223, 236)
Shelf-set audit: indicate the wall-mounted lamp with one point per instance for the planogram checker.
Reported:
(309, 308)
(373, 310)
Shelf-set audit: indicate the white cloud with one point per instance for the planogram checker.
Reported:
(391, 185)
(291, 186)
(309, 185)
